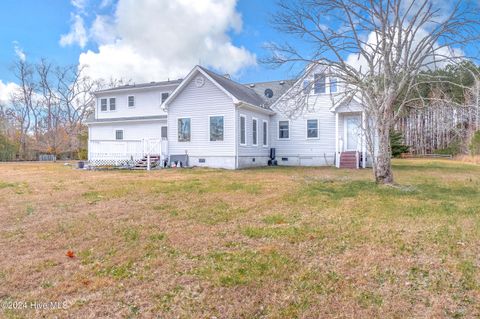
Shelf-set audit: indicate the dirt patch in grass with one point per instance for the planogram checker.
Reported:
(278, 242)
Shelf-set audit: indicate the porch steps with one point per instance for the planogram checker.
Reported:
(349, 159)
(142, 164)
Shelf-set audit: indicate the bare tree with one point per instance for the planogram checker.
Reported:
(23, 108)
(74, 90)
(377, 49)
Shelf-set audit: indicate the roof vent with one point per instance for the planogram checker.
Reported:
(268, 93)
(152, 82)
(252, 85)
(226, 75)
(282, 82)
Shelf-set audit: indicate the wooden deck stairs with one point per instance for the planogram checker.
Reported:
(350, 159)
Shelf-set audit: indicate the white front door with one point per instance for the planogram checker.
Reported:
(353, 130)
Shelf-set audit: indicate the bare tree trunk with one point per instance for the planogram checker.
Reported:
(383, 166)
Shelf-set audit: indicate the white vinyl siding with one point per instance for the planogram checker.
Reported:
(199, 103)
(320, 151)
(248, 151)
(147, 103)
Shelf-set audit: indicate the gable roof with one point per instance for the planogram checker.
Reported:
(239, 91)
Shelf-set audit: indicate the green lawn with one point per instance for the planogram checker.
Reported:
(260, 243)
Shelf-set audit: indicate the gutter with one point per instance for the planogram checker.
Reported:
(245, 105)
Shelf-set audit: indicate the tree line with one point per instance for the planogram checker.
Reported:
(45, 113)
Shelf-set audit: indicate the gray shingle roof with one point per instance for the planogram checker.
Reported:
(91, 118)
(239, 91)
(278, 88)
(252, 93)
(142, 85)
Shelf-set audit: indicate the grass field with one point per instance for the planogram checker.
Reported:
(260, 243)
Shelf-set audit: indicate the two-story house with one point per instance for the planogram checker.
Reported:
(210, 120)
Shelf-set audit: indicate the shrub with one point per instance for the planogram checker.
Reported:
(475, 144)
(396, 144)
(7, 149)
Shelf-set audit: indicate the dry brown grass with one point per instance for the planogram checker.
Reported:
(260, 243)
(474, 159)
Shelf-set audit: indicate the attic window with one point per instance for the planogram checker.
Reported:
(268, 93)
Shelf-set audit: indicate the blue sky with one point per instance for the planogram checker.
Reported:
(35, 27)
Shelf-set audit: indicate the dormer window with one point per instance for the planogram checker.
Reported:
(112, 104)
(131, 101)
(164, 97)
(103, 105)
(333, 85)
(319, 85)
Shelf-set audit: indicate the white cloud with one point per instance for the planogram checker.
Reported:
(155, 40)
(102, 30)
(6, 89)
(77, 34)
(79, 4)
(440, 54)
(19, 51)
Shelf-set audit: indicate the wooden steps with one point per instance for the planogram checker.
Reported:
(349, 160)
(142, 164)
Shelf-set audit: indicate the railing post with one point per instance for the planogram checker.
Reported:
(148, 161)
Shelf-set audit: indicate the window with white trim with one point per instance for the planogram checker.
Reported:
(184, 130)
(312, 128)
(164, 132)
(265, 133)
(319, 84)
(333, 85)
(216, 128)
(254, 132)
(243, 130)
(119, 134)
(113, 103)
(131, 101)
(103, 104)
(164, 97)
(283, 129)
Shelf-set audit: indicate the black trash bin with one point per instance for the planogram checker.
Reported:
(81, 165)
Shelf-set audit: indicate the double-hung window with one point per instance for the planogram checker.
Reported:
(243, 130)
(254, 132)
(184, 130)
(119, 134)
(103, 104)
(312, 128)
(216, 128)
(265, 133)
(319, 85)
(112, 104)
(131, 101)
(283, 129)
(164, 97)
(333, 85)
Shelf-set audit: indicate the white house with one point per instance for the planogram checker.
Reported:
(210, 120)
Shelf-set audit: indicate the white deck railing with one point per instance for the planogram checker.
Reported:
(118, 151)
